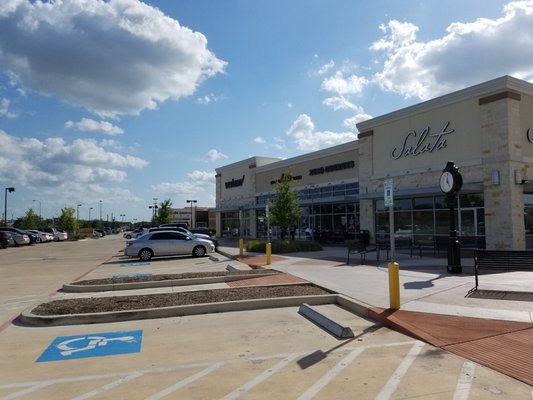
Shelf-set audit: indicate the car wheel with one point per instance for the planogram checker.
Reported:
(146, 254)
(198, 251)
(39, 240)
(128, 236)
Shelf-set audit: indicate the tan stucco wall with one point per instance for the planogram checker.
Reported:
(462, 145)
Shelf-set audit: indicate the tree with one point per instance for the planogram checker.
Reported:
(164, 213)
(67, 220)
(284, 208)
(29, 221)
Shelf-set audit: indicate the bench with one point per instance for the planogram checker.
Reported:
(358, 246)
(502, 260)
(399, 244)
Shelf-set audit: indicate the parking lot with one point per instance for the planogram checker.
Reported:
(259, 354)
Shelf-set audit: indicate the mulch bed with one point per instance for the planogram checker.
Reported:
(138, 302)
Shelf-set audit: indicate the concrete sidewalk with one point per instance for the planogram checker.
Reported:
(436, 306)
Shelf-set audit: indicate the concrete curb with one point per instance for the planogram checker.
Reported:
(29, 319)
(73, 288)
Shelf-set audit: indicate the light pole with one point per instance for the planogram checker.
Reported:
(90, 208)
(10, 190)
(78, 211)
(38, 201)
(122, 215)
(154, 209)
(100, 213)
(192, 215)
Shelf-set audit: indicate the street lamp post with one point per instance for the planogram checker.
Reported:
(38, 201)
(122, 215)
(192, 215)
(100, 213)
(10, 190)
(90, 208)
(78, 211)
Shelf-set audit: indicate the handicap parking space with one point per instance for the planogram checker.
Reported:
(259, 354)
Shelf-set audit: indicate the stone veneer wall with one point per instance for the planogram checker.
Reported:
(502, 151)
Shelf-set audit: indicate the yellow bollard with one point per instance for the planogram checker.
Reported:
(269, 253)
(394, 285)
(241, 247)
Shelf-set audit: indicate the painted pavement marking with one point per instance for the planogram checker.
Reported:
(123, 377)
(464, 383)
(260, 378)
(332, 373)
(92, 345)
(139, 264)
(131, 275)
(109, 386)
(185, 382)
(392, 384)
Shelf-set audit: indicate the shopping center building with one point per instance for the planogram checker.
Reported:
(486, 130)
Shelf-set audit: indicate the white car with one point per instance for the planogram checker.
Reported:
(167, 243)
(59, 235)
(42, 237)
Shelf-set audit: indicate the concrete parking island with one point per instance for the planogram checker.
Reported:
(31, 319)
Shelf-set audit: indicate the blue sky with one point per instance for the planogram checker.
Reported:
(124, 101)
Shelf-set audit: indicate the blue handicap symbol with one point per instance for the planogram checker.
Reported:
(141, 264)
(132, 275)
(92, 345)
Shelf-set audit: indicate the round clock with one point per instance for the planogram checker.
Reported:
(447, 182)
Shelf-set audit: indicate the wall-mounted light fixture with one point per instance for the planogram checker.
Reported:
(518, 177)
(495, 178)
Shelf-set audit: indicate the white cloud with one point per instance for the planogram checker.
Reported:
(259, 140)
(468, 54)
(53, 162)
(339, 103)
(326, 67)
(4, 109)
(90, 125)
(307, 138)
(203, 176)
(214, 155)
(111, 57)
(207, 99)
(341, 85)
(199, 182)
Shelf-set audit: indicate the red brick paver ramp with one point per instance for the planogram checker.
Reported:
(504, 346)
(257, 261)
(274, 279)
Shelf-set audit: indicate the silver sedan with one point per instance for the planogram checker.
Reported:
(167, 243)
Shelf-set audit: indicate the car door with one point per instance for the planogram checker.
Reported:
(160, 243)
(179, 243)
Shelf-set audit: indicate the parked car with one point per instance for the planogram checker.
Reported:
(59, 235)
(167, 243)
(42, 237)
(135, 233)
(100, 232)
(6, 239)
(187, 232)
(19, 236)
(33, 237)
(203, 231)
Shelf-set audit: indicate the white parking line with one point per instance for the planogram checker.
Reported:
(260, 378)
(185, 382)
(24, 392)
(332, 373)
(109, 386)
(464, 383)
(396, 378)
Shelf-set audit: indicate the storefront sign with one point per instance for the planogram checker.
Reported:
(332, 168)
(426, 143)
(234, 183)
(286, 178)
(529, 135)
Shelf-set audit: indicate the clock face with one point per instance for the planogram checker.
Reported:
(447, 182)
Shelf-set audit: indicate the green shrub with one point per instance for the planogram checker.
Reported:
(282, 246)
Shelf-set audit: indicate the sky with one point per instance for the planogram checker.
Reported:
(112, 104)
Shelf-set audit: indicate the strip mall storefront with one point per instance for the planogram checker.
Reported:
(487, 130)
